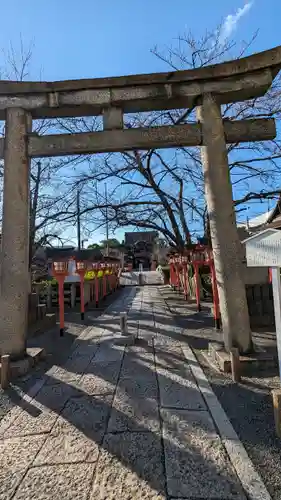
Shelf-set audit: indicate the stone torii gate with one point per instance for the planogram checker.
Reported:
(208, 88)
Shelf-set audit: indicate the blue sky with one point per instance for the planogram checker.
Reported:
(93, 38)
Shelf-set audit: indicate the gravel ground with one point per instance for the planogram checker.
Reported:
(248, 404)
(57, 349)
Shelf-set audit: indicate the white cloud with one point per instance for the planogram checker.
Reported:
(230, 22)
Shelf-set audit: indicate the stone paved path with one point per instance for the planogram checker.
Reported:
(117, 423)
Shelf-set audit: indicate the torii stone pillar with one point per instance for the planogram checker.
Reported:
(225, 239)
(15, 235)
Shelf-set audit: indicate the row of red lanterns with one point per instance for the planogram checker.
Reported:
(60, 272)
(199, 256)
(62, 266)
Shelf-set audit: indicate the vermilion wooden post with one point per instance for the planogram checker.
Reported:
(216, 304)
(197, 286)
(269, 275)
(97, 289)
(174, 276)
(110, 278)
(171, 274)
(177, 276)
(185, 280)
(104, 282)
(82, 297)
(115, 271)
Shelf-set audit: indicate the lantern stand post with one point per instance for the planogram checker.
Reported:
(184, 265)
(174, 276)
(118, 274)
(110, 277)
(60, 271)
(172, 273)
(81, 270)
(104, 281)
(114, 278)
(197, 286)
(91, 284)
(177, 274)
(97, 284)
(92, 290)
(216, 305)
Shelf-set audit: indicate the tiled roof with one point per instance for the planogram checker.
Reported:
(134, 237)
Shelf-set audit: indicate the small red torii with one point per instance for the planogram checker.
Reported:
(198, 255)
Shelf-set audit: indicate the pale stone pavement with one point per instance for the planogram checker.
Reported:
(117, 423)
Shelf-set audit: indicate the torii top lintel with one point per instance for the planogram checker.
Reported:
(230, 81)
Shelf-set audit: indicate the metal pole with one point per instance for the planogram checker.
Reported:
(78, 220)
(60, 280)
(106, 219)
(82, 297)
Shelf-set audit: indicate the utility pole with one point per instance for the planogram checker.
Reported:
(106, 219)
(78, 220)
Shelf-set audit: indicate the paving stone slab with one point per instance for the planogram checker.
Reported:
(178, 389)
(143, 351)
(86, 347)
(140, 366)
(59, 374)
(130, 415)
(147, 336)
(144, 385)
(10, 418)
(43, 412)
(100, 378)
(163, 340)
(27, 424)
(87, 414)
(93, 333)
(130, 468)
(56, 482)
(170, 357)
(135, 406)
(77, 364)
(108, 352)
(73, 447)
(197, 465)
(16, 455)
